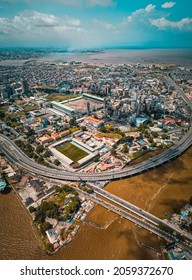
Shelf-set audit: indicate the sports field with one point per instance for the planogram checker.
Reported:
(71, 151)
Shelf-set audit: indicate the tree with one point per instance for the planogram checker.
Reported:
(190, 201)
(177, 210)
(63, 234)
(57, 162)
(58, 189)
(73, 207)
(137, 154)
(32, 209)
(150, 140)
(190, 227)
(125, 149)
(155, 134)
(153, 144)
(46, 209)
(113, 152)
(49, 247)
(45, 226)
(83, 128)
(68, 189)
(39, 149)
(47, 154)
(35, 156)
(72, 122)
(103, 129)
(30, 139)
(40, 159)
(2, 115)
(165, 136)
(30, 131)
(96, 159)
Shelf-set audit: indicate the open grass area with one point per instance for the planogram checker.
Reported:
(110, 135)
(3, 109)
(31, 108)
(60, 97)
(71, 151)
(17, 114)
(74, 129)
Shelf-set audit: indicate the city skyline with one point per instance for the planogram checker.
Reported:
(95, 24)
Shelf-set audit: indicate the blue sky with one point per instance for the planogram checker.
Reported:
(75, 24)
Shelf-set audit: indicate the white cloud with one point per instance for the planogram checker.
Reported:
(185, 24)
(102, 3)
(150, 8)
(35, 21)
(73, 3)
(168, 5)
(140, 14)
(104, 24)
(32, 27)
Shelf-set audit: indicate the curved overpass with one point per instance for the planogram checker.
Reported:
(16, 156)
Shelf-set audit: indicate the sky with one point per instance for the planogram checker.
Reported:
(85, 24)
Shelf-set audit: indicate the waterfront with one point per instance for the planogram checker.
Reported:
(157, 191)
(178, 57)
(181, 57)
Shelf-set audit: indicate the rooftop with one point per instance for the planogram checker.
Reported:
(93, 120)
(62, 106)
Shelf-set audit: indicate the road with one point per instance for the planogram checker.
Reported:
(21, 160)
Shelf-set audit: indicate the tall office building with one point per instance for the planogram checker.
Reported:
(133, 105)
(9, 90)
(88, 108)
(4, 93)
(135, 96)
(25, 86)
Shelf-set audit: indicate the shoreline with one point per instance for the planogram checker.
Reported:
(145, 56)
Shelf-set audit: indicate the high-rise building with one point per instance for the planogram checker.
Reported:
(106, 90)
(125, 93)
(25, 86)
(9, 90)
(88, 108)
(133, 105)
(135, 96)
(4, 93)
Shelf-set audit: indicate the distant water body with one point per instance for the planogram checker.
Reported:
(181, 57)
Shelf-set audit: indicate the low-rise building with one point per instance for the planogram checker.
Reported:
(94, 122)
(45, 139)
(53, 236)
(3, 184)
(64, 133)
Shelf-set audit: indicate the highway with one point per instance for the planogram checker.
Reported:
(139, 212)
(21, 160)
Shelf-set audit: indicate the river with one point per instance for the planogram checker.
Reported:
(158, 191)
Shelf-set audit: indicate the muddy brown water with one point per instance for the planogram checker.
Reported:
(158, 191)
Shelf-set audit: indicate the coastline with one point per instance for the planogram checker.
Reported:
(177, 56)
